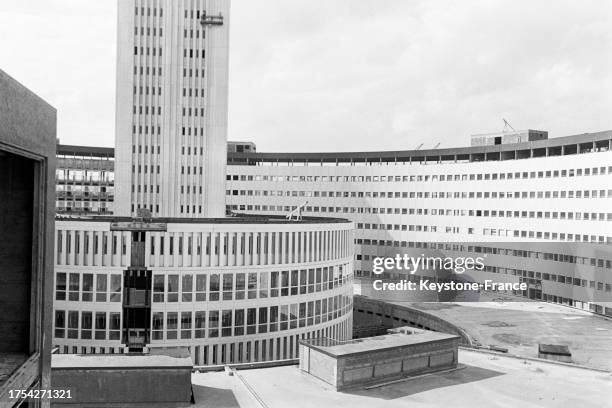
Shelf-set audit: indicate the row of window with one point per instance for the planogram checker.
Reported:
(148, 32)
(278, 348)
(426, 194)
(247, 285)
(483, 249)
(140, 90)
(191, 53)
(495, 232)
(84, 175)
(84, 190)
(148, 13)
(148, 51)
(87, 325)
(80, 287)
(239, 322)
(90, 325)
(587, 171)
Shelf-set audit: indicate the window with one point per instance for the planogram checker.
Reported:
(252, 285)
(171, 324)
(251, 320)
(60, 323)
(73, 325)
(228, 284)
(213, 323)
(200, 322)
(187, 288)
(115, 288)
(239, 322)
(273, 318)
(226, 323)
(158, 326)
(158, 288)
(172, 288)
(87, 287)
(101, 282)
(86, 325)
(114, 332)
(186, 325)
(60, 286)
(214, 287)
(73, 287)
(274, 281)
(100, 325)
(200, 288)
(263, 320)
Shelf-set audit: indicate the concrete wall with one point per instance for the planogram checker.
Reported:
(319, 364)
(377, 315)
(27, 210)
(146, 387)
(398, 362)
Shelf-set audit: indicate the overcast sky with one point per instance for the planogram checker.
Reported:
(346, 74)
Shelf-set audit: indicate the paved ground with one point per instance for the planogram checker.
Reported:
(485, 381)
(520, 326)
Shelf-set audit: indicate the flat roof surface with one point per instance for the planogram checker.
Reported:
(123, 361)
(521, 326)
(235, 219)
(376, 343)
(485, 380)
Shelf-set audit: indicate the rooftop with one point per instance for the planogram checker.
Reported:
(566, 145)
(520, 326)
(122, 361)
(377, 343)
(482, 380)
(234, 219)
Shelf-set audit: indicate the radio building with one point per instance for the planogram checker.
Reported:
(156, 262)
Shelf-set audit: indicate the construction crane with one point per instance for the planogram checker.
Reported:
(419, 146)
(507, 125)
(297, 211)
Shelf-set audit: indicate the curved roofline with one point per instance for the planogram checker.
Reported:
(234, 219)
(548, 147)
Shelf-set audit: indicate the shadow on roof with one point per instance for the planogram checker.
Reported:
(206, 397)
(429, 382)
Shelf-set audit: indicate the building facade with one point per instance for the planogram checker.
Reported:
(171, 111)
(232, 290)
(541, 207)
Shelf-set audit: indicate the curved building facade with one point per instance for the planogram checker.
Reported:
(231, 290)
(540, 210)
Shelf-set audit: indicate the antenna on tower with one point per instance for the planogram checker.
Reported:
(507, 125)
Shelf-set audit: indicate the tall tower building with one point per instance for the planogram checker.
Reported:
(171, 111)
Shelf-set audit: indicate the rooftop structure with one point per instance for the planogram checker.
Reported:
(401, 352)
(160, 379)
(508, 137)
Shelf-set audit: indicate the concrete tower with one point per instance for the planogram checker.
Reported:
(172, 98)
